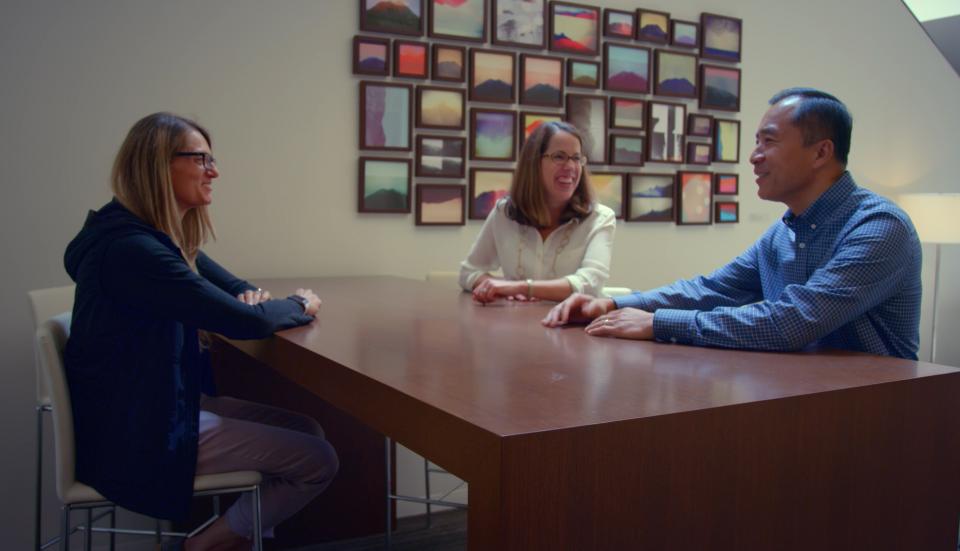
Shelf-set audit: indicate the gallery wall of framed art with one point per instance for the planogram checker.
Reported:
(449, 91)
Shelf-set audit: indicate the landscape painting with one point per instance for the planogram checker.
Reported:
(392, 16)
(458, 19)
(684, 34)
(440, 156)
(492, 135)
(519, 23)
(385, 118)
(727, 212)
(726, 141)
(574, 28)
(626, 68)
(653, 26)
(371, 56)
(440, 205)
(627, 113)
(583, 74)
(627, 150)
(440, 108)
(589, 115)
(650, 198)
(384, 185)
(726, 184)
(410, 59)
(698, 153)
(487, 186)
(531, 121)
(719, 88)
(609, 188)
(700, 125)
(492, 76)
(676, 75)
(721, 37)
(449, 63)
(695, 197)
(618, 24)
(665, 123)
(541, 80)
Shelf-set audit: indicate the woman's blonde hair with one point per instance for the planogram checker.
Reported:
(142, 183)
(528, 203)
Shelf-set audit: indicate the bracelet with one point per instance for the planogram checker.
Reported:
(529, 288)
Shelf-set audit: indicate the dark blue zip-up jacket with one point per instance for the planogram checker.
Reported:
(133, 359)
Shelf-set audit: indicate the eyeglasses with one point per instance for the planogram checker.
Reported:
(561, 158)
(206, 159)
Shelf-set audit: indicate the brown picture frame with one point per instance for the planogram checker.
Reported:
(590, 141)
(616, 159)
(653, 149)
(699, 153)
(391, 23)
(675, 87)
(682, 220)
(541, 95)
(374, 203)
(675, 32)
(719, 142)
(693, 127)
(422, 212)
(714, 96)
(667, 190)
(562, 47)
(398, 70)
(522, 124)
(492, 90)
(712, 23)
(571, 72)
(611, 200)
(364, 116)
(435, 61)
(611, 30)
(495, 25)
(433, 33)
(626, 81)
(424, 120)
(617, 109)
(425, 170)
(647, 36)
(474, 211)
(497, 132)
(718, 212)
(368, 68)
(718, 184)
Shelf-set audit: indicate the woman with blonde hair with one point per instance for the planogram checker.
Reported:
(144, 421)
(549, 236)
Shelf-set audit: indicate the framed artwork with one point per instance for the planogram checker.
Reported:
(541, 80)
(627, 113)
(719, 88)
(726, 141)
(441, 156)
(492, 76)
(699, 125)
(384, 185)
(694, 198)
(449, 63)
(371, 56)
(726, 184)
(583, 74)
(684, 34)
(721, 38)
(530, 121)
(609, 188)
(459, 20)
(676, 75)
(698, 153)
(443, 108)
(410, 59)
(727, 212)
(492, 135)
(574, 28)
(626, 68)
(589, 115)
(653, 26)
(487, 186)
(520, 23)
(618, 24)
(392, 16)
(650, 198)
(440, 205)
(665, 123)
(627, 150)
(385, 116)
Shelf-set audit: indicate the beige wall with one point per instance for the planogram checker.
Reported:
(272, 82)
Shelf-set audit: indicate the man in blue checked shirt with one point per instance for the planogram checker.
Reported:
(841, 269)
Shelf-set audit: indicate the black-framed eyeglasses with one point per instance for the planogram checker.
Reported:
(206, 159)
(561, 158)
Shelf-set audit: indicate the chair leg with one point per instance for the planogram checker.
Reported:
(113, 526)
(426, 483)
(257, 527)
(157, 530)
(38, 504)
(65, 528)
(389, 475)
(88, 532)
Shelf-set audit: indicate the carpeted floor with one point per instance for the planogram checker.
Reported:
(448, 532)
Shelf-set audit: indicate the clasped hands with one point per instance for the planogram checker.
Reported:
(491, 288)
(604, 319)
(256, 296)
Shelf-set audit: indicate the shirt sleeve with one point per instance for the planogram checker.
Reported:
(221, 277)
(483, 257)
(868, 266)
(148, 276)
(594, 270)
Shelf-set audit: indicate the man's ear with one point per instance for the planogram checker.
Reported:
(823, 153)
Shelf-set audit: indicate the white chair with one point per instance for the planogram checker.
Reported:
(610, 292)
(51, 338)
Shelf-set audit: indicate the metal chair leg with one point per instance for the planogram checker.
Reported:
(38, 504)
(65, 528)
(257, 528)
(113, 526)
(88, 531)
(426, 495)
(389, 525)
(158, 530)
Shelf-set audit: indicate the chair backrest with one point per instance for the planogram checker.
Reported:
(51, 339)
(46, 303)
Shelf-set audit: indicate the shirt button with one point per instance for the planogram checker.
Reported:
(673, 340)
(802, 245)
(813, 226)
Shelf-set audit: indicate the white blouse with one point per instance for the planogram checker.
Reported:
(579, 250)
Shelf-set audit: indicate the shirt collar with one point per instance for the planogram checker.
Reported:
(823, 207)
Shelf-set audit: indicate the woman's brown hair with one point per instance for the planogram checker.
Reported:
(527, 203)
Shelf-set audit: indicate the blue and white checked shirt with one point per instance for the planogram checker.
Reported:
(845, 274)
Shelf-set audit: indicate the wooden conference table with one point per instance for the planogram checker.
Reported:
(576, 442)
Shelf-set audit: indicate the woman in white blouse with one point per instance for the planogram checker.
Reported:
(550, 236)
